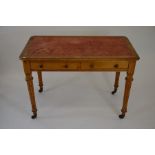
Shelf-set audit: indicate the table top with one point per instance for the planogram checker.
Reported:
(74, 47)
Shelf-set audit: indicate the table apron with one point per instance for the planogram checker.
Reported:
(79, 65)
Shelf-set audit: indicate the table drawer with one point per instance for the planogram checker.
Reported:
(104, 65)
(55, 66)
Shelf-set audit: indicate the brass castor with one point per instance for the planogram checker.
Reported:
(40, 90)
(34, 115)
(121, 116)
(114, 91)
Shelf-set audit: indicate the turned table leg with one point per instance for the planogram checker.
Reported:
(29, 80)
(128, 83)
(40, 81)
(116, 83)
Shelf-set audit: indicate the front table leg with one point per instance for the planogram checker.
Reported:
(128, 83)
(29, 80)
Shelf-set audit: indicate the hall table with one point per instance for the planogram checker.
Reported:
(79, 53)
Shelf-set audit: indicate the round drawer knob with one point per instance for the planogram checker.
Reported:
(91, 65)
(66, 66)
(116, 65)
(41, 66)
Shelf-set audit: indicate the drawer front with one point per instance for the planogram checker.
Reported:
(105, 65)
(55, 66)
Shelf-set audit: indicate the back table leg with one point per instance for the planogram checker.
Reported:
(40, 81)
(116, 83)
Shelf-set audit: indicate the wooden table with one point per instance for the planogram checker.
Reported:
(79, 53)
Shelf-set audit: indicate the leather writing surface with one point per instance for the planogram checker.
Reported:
(78, 47)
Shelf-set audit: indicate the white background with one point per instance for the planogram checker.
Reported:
(81, 13)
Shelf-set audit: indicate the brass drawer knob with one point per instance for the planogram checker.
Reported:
(116, 65)
(66, 66)
(40, 65)
(91, 65)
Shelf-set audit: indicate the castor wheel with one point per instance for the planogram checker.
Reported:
(34, 116)
(121, 116)
(113, 92)
(40, 90)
